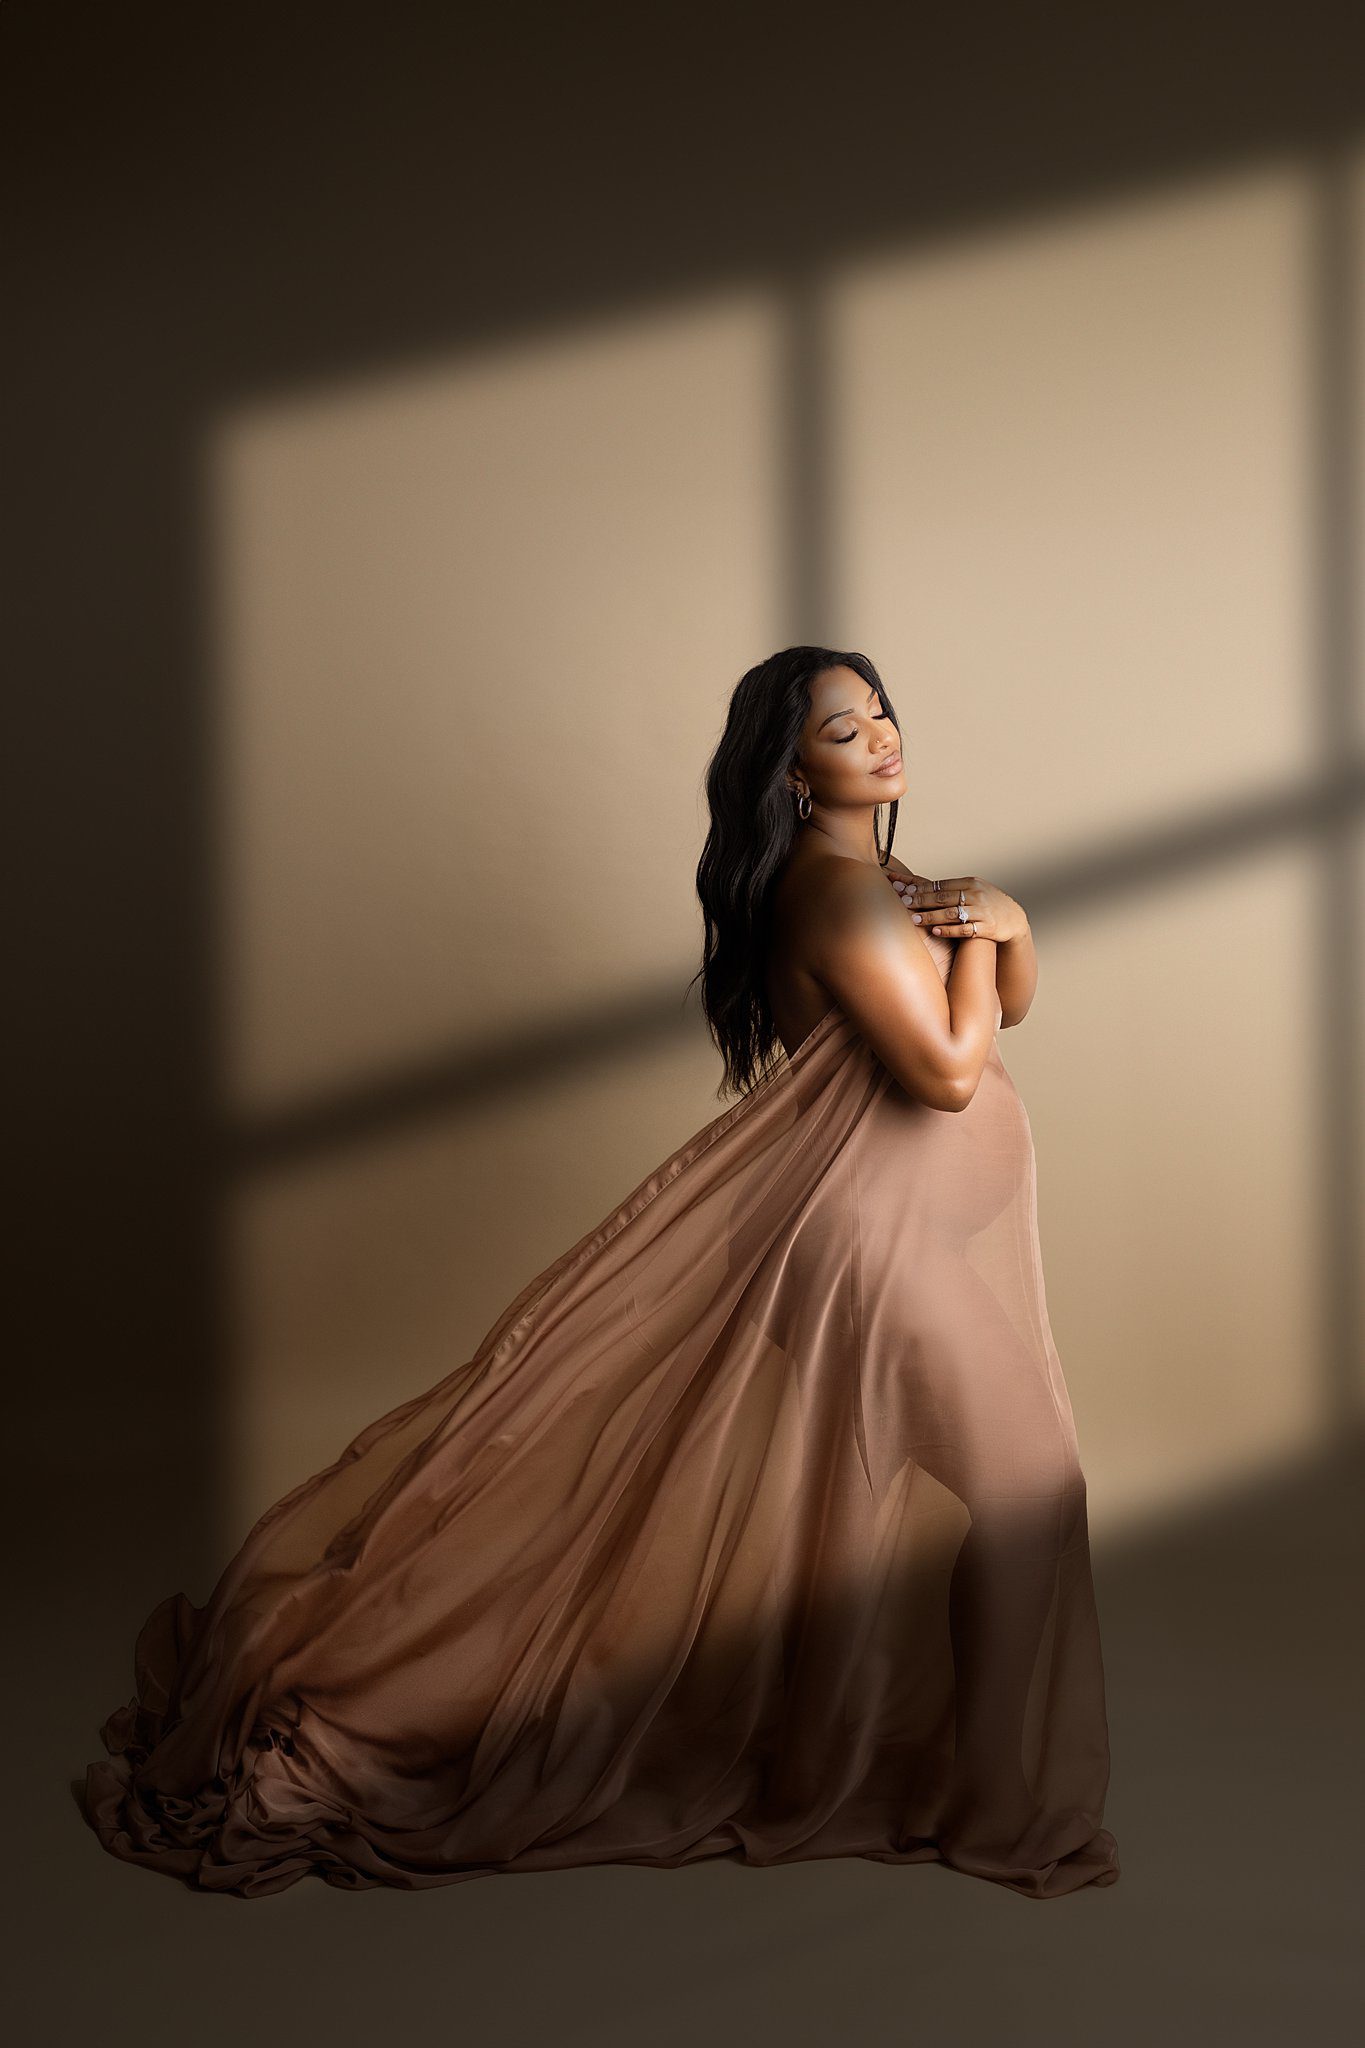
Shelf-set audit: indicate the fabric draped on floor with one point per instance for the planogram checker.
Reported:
(755, 1527)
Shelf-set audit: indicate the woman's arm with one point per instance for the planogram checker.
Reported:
(996, 916)
(934, 1037)
(1016, 976)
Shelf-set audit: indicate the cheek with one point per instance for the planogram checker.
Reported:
(847, 767)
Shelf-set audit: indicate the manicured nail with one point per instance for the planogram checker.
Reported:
(916, 918)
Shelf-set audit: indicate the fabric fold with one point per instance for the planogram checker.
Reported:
(755, 1527)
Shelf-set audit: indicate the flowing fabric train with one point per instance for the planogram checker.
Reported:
(754, 1527)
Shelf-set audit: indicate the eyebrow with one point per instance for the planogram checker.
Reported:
(871, 691)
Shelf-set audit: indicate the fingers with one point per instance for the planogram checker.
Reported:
(940, 912)
(955, 923)
(943, 891)
(950, 898)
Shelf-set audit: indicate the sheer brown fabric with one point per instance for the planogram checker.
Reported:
(755, 1527)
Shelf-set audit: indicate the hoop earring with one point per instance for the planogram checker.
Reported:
(803, 805)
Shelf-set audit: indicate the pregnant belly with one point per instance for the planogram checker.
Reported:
(945, 1174)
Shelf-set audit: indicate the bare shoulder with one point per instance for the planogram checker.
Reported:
(818, 888)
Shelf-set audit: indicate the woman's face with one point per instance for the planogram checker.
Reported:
(849, 754)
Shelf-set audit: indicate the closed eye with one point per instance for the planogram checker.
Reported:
(877, 717)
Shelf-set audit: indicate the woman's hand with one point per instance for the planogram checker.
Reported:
(958, 906)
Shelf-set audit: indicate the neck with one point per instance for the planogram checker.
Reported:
(850, 833)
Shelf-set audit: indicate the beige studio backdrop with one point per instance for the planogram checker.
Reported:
(419, 427)
(473, 623)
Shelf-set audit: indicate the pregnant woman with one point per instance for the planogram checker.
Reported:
(756, 1526)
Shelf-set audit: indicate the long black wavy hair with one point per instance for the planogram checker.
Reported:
(753, 824)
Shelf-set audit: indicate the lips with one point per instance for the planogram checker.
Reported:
(889, 767)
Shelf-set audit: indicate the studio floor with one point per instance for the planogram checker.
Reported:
(1232, 1664)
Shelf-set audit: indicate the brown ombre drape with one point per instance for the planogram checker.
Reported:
(755, 1527)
